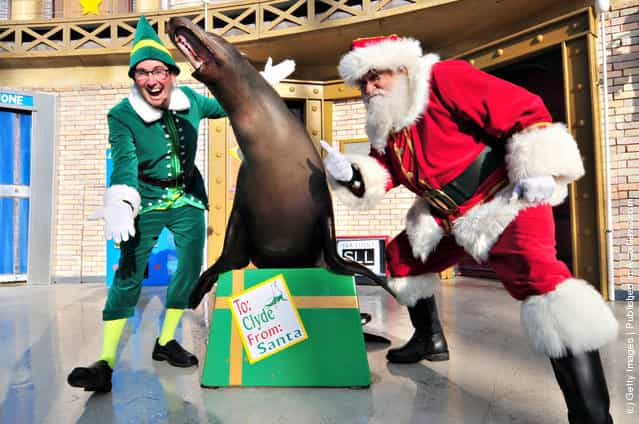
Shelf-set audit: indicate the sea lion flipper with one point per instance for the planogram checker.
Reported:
(203, 286)
(337, 264)
(235, 254)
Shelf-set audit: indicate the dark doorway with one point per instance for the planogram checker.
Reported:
(540, 74)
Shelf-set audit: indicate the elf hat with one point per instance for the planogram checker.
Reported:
(147, 45)
(380, 53)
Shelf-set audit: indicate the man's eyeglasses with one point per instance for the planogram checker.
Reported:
(158, 73)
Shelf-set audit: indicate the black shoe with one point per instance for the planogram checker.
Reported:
(94, 378)
(432, 348)
(428, 341)
(174, 354)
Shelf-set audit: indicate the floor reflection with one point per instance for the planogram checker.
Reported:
(492, 377)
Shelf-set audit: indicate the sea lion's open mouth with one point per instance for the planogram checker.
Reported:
(185, 41)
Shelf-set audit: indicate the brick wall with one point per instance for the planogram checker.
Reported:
(80, 167)
(82, 140)
(622, 38)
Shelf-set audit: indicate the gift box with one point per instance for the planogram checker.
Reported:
(327, 350)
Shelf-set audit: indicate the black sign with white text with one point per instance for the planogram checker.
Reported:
(367, 251)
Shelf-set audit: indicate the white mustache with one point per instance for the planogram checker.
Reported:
(377, 92)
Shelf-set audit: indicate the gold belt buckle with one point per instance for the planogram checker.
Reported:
(440, 201)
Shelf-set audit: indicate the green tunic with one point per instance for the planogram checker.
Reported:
(149, 149)
(159, 145)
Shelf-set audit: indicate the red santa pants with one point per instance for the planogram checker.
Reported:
(524, 256)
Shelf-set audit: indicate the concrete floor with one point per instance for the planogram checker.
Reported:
(492, 377)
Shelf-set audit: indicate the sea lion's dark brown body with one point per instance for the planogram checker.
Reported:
(282, 215)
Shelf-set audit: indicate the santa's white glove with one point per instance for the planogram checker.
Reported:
(275, 74)
(534, 189)
(336, 163)
(118, 214)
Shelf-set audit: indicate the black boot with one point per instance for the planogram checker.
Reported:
(581, 379)
(94, 378)
(174, 354)
(428, 341)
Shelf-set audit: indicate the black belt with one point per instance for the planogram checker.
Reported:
(461, 189)
(159, 182)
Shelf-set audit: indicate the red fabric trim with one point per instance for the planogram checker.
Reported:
(368, 41)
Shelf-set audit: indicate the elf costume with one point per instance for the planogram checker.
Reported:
(154, 184)
(469, 145)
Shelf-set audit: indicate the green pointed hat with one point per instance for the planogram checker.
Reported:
(147, 45)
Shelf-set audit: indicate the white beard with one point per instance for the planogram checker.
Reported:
(385, 110)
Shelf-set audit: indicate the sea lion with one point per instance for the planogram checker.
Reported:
(282, 215)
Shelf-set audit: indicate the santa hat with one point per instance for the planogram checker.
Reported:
(391, 53)
(383, 52)
(147, 45)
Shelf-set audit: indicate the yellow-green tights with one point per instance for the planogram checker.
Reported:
(113, 332)
(171, 321)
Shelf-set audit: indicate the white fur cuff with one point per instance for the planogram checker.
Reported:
(572, 317)
(478, 230)
(547, 151)
(422, 230)
(375, 178)
(121, 192)
(409, 290)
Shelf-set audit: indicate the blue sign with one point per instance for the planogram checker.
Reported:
(163, 261)
(161, 266)
(15, 99)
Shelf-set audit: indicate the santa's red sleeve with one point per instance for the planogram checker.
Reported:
(535, 146)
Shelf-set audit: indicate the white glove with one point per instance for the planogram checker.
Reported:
(118, 220)
(275, 74)
(534, 189)
(336, 163)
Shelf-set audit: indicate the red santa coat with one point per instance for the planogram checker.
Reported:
(466, 110)
(456, 110)
(463, 109)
